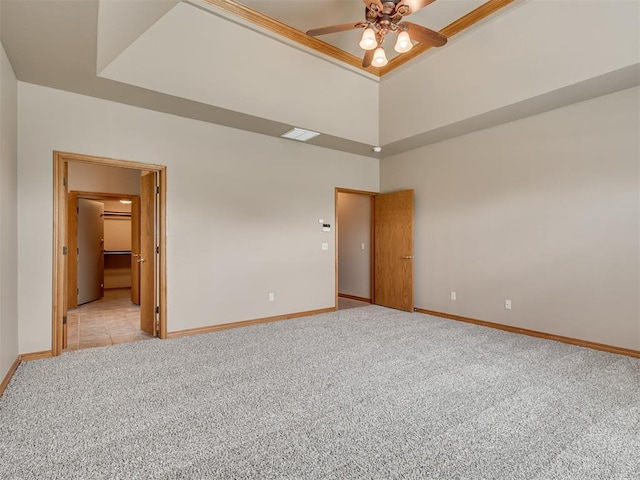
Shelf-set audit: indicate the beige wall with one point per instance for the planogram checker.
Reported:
(117, 236)
(507, 60)
(120, 23)
(117, 230)
(543, 211)
(242, 209)
(8, 216)
(197, 55)
(85, 177)
(354, 231)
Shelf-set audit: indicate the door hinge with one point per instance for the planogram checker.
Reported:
(157, 190)
(64, 319)
(157, 249)
(64, 181)
(157, 309)
(64, 250)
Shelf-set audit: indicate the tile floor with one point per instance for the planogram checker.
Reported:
(112, 319)
(344, 303)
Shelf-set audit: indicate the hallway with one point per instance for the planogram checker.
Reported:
(111, 320)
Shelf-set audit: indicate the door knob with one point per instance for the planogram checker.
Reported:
(407, 257)
(140, 260)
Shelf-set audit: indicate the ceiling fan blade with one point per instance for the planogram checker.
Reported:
(414, 5)
(425, 35)
(368, 58)
(343, 27)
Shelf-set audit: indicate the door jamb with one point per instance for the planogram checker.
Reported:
(60, 170)
(372, 196)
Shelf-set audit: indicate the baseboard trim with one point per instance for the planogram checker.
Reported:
(26, 357)
(9, 375)
(533, 333)
(353, 297)
(246, 323)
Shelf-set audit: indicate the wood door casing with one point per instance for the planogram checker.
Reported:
(61, 162)
(393, 226)
(147, 254)
(60, 288)
(370, 237)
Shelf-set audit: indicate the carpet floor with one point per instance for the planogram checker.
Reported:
(362, 393)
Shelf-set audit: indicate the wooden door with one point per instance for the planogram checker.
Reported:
(90, 250)
(147, 255)
(393, 239)
(135, 250)
(72, 250)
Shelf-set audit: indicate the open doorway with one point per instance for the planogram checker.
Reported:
(386, 267)
(109, 279)
(103, 275)
(354, 240)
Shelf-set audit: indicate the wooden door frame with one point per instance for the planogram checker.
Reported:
(372, 196)
(72, 236)
(60, 175)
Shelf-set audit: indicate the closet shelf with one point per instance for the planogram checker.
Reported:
(117, 214)
(117, 252)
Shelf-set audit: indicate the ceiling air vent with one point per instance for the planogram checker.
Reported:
(300, 134)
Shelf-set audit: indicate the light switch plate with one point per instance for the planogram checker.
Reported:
(325, 246)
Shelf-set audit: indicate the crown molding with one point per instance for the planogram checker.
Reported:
(275, 26)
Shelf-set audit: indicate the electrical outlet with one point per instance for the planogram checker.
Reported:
(272, 297)
(507, 304)
(454, 296)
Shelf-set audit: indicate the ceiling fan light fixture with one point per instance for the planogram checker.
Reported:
(403, 44)
(379, 58)
(368, 41)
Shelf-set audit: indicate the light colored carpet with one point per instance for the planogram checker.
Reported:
(362, 393)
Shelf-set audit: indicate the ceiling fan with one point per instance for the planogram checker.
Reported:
(383, 17)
